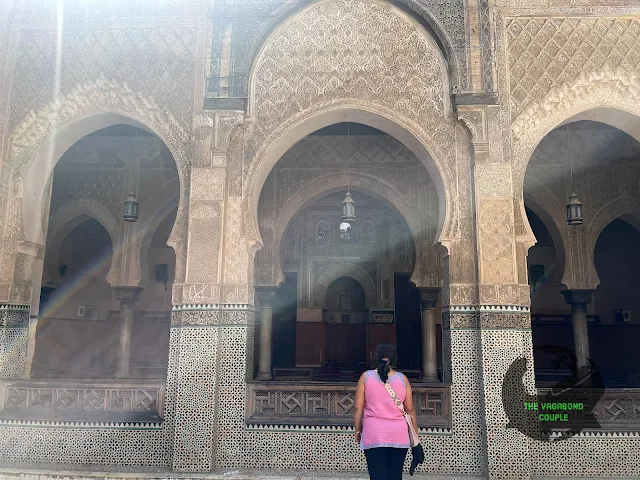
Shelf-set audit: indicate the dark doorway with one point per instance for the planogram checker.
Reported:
(408, 324)
(284, 322)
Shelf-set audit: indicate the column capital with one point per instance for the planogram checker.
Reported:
(266, 296)
(578, 299)
(128, 295)
(428, 298)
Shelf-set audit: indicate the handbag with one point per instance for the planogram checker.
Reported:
(417, 453)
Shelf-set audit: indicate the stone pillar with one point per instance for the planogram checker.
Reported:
(127, 296)
(20, 306)
(501, 313)
(579, 299)
(266, 297)
(428, 301)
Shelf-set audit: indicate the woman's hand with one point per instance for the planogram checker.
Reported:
(358, 437)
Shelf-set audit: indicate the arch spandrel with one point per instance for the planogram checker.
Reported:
(385, 72)
(39, 141)
(414, 8)
(601, 93)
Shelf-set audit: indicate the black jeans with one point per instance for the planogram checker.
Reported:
(385, 463)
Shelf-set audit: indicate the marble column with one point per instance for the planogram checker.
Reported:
(127, 296)
(428, 301)
(266, 297)
(579, 299)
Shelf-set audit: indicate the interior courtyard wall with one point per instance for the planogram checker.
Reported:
(540, 91)
(199, 345)
(240, 30)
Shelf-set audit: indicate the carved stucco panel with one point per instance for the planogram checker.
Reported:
(549, 54)
(207, 184)
(236, 247)
(493, 180)
(224, 125)
(205, 224)
(392, 60)
(496, 242)
(203, 140)
(141, 56)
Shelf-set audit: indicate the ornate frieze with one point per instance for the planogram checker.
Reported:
(77, 401)
(618, 410)
(212, 315)
(486, 318)
(140, 54)
(309, 404)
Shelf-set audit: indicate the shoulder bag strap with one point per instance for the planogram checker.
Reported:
(413, 435)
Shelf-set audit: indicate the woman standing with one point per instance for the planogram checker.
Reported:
(381, 428)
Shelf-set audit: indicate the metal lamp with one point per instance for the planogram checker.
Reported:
(348, 209)
(574, 211)
(131, 207)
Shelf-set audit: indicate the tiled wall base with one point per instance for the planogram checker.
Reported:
(587, 457)
(457, 453)
(220, 474)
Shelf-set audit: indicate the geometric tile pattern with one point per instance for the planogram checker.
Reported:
(196, 349)
(14, 334)
(13, 351)
(507, 448)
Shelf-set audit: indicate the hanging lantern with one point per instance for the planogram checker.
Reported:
(130, 213)
(348, 209)
(574, 211)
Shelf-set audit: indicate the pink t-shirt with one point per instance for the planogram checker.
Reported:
(383, 424)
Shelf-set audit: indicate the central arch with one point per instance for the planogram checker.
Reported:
(308, 76)
(270, 152)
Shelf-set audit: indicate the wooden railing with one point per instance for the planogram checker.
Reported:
(325, 404)
(617, 410)
(82, 401)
